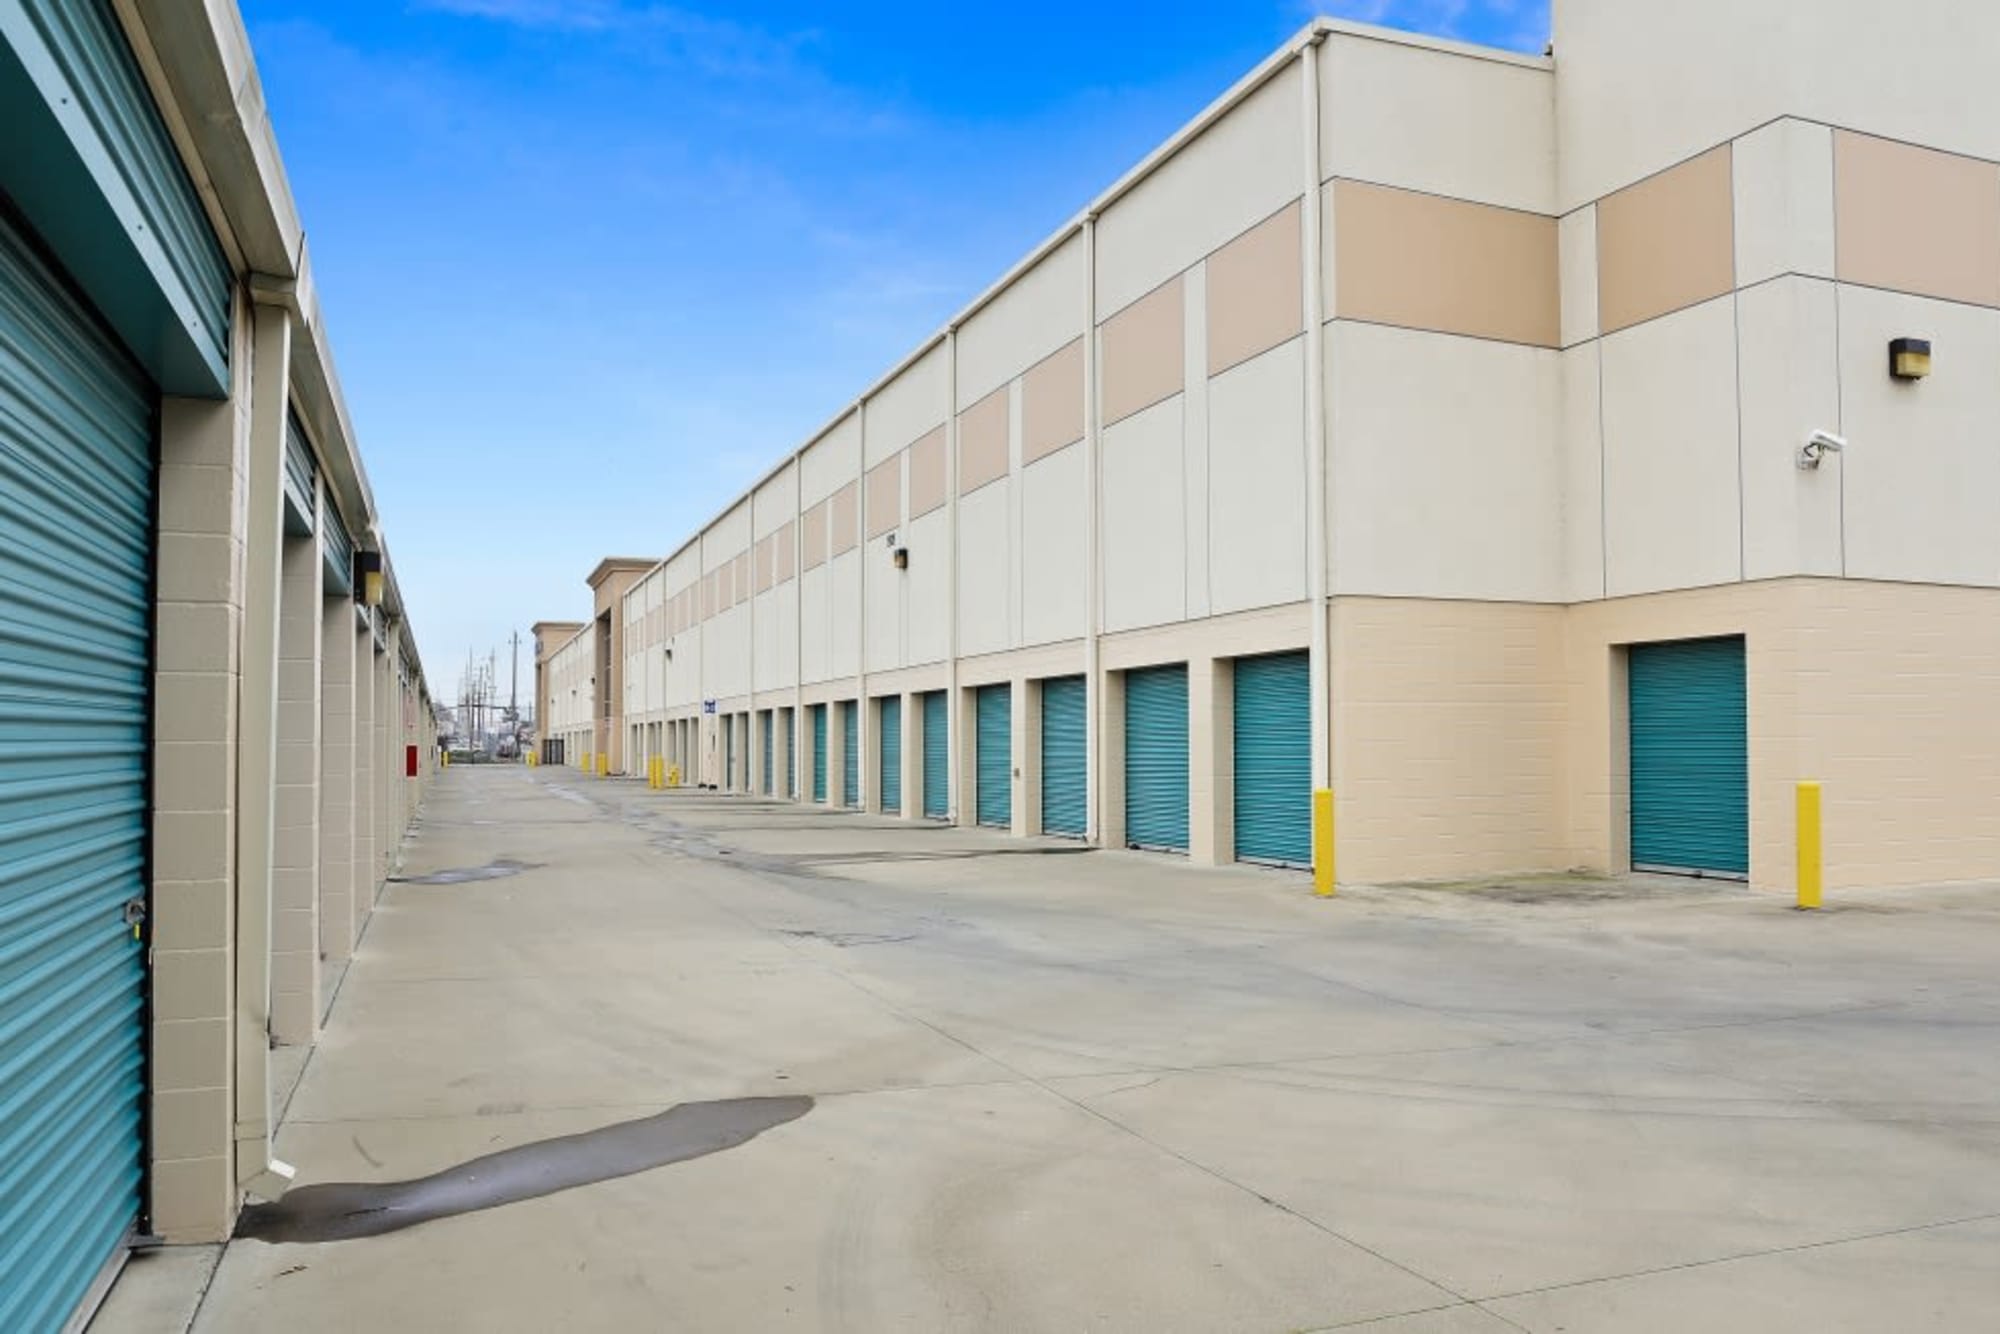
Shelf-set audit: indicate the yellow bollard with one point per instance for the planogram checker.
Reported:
(1812, 867)
(674, 775)
(1323, 842)
(585, 761)
(603, 763)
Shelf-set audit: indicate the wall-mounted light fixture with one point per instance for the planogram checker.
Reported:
(1909, 358)
(901, 557)
(368, 578)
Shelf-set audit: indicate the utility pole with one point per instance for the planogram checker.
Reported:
(514, 688)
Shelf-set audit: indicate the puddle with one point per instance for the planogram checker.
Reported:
(498, 869)
(344, 1211)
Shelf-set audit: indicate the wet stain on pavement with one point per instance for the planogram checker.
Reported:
(345, 1211)
(498, 869)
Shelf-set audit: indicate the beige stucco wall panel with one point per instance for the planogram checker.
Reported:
(1052, 402)
(907, 406)
(1398, 115)
(982, 441)
(1915, 220)
(1243, 168)
(1576, 243)
(1789, 388)
(1144, 544)
(1424, 262)
(1783, 176)
(1922, 470)
(1667, 242)
(1448, 737)
(926, 488)
(1037, 313)
(1672, 491)
(1446, 470)
(984, 570)
(1055, 511)
(885, 497)
(812, 535)
(1143, 353)
(1255, 291)
(1257, 482)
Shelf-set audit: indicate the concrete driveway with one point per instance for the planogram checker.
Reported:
(1060, 1090)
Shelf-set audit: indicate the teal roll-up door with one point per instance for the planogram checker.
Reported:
(770, 722)
(1272, 701)
(1063, 757)
(850, 754)
(937, 757)
(791, 753)
(729, 753)
(77, 498)
(1690, 757)
(819, 752)
(993, 755)
(1156, 758)
(891, 736)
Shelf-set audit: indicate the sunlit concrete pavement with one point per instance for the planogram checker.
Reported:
(1064, 1091)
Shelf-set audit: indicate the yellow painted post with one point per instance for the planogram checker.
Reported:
(603, 763)
(586, 766)
(674, 776)
(1812, 864)
(1323, 842)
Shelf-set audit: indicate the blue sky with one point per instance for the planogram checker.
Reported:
(592, 266)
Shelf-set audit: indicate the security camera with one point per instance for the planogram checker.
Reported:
(1818, 447)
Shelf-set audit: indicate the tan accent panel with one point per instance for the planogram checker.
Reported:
(982, 442)
(1420, 261)
(742, 575)
(813, 532)
(1052, 403)
(927, 480)
(785, 542)
(885, 496)
(1256, 298)
(1145, 355)
(846, 517)
(1448, 737)
(1916, 220)
(764, 552)
(1667, 243)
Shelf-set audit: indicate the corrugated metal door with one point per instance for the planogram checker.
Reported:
(993, 755)
(770, 722)
(937, 757)
(1272, 700)
(729, 753)
(891, 736)
(1156, 758)
(1690, 757)
(77, 483)
(850, 755)
(1063, 776)
(819, 752)
(791, 753)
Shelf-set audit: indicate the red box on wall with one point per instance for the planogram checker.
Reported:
(409, 761)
